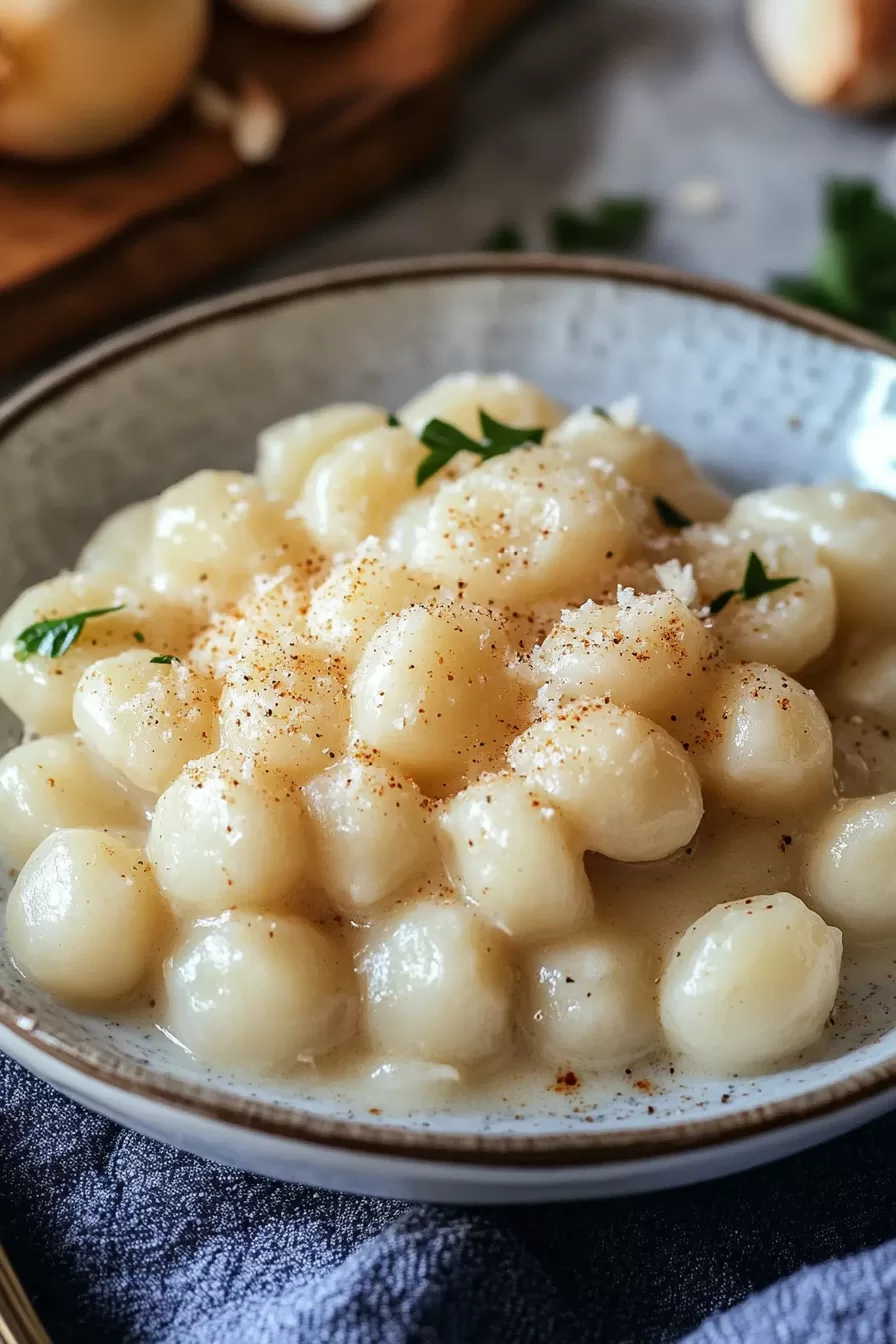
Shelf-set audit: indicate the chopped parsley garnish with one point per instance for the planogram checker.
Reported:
(602, 412)
(51, 639)
(393, 421)
(721, 600)
(140, 637)
(505, 237)
(756, 584)
(498, 438)
(165, 658)
(854, 273)
(444, 441)
(614, 224)
(669, 515)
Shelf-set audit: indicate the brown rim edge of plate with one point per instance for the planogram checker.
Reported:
(375, 1139)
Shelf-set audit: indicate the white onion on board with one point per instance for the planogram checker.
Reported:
(834, 53)
(81, 76)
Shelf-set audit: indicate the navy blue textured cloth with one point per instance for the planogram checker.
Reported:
(119, 1240)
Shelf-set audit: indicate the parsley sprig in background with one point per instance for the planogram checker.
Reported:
(613, 224)
(852, 277)
(854, 273)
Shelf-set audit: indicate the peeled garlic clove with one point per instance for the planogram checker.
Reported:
(212, 106)
(81, 76)
(319, 15)
(259, 124)
(837, 53)
(256, 120)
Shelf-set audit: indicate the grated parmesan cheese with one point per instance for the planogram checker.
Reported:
(626, 412)
(678, 579)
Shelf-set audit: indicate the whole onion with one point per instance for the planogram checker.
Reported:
(81, 76)
(833, 53)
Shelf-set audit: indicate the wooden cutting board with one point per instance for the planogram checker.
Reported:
(83, 246)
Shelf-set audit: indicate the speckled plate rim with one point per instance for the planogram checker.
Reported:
(545, 1150)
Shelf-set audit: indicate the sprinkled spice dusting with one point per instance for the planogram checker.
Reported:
(458, 776)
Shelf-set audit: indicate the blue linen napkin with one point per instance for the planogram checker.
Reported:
(120, 1240)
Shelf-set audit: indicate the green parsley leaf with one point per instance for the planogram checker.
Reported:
(614, 224)
(756, 583)
(498, 438)
(165, 658)
(140, 638)
(51, 639)
(721, 600)
(444, 441)
(806, 290)
(669, 515)
(504, 237)
(854, 272)
(602, 412)
(393, 421)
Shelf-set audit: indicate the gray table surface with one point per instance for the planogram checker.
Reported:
(604, 96)
(594, 96)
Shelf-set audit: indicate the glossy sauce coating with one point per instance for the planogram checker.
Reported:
(459, 779)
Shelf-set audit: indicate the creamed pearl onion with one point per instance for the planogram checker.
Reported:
(40, 690)
(372, 831)
(750, 983)
(512, 856)
(146, 719)
(84, 919)
(761, 742)
(590, 1001)
(526, 527)
(624, 785)
(651, 655)
(459, 397)
(55, 783)
(231, 831)
(651, 462)
(788, 628)
(438, 984)
(217, 529)
(850, 868)
(864, 681)
(259, 992)
(352, 491)
(289, 449)
(275, 605)
(285, 699)
(854, 530)
(356, 597)
(432, 692)
(120, 544)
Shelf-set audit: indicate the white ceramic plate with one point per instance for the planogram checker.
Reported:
(759, 391)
